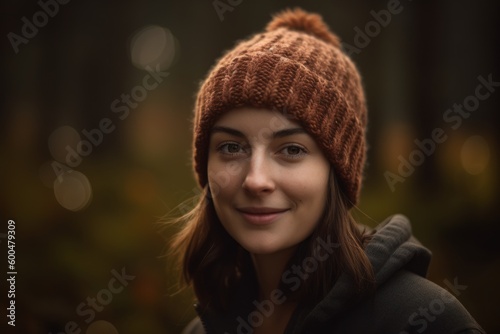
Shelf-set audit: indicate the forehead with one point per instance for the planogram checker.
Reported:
(253, 119)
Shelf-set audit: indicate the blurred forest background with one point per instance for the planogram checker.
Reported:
(70, 74)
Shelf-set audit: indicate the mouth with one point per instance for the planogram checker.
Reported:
(261, 215)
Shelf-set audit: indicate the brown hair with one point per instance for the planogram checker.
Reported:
(213, 262)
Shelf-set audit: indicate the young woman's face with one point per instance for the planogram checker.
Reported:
(268, 179)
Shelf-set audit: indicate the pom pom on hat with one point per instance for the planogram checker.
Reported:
(300, 20)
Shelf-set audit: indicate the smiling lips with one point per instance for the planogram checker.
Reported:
(261, 215)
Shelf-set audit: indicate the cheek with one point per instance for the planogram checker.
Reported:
(309, 192)
(312, 196)
(309, 182)
(223, 178)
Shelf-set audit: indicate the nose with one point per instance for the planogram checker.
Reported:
(259, 179)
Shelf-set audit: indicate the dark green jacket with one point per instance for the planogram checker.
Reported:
(404, 301)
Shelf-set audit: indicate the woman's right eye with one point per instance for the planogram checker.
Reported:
(230, 148)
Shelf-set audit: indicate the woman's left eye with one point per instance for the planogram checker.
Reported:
(293, 151)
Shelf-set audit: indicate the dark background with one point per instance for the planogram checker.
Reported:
(71, 233)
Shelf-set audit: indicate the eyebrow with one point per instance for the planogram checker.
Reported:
(277, 134)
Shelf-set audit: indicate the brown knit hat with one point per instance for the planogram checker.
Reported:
(296, 66)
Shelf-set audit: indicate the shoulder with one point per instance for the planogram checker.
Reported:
(194, 327)
(428, 306)
(408, 303)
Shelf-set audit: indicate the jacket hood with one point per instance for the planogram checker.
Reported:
(392, 248)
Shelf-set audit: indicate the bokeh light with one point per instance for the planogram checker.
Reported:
(153, 46)
(73, 190)
(475, 155)
(101, 327)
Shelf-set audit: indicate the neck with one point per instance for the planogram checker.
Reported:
(269, 268)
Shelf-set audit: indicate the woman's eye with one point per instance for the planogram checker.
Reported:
(230, 148)
(293, 151)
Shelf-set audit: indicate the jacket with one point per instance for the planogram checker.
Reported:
(404, 301)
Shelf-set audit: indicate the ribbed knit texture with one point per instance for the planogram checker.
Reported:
(296, 67)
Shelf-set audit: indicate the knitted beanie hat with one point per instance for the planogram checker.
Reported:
(297, 67)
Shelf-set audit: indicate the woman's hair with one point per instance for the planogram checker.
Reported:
(214, 263)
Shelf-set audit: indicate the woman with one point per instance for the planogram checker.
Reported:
(279, 151)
